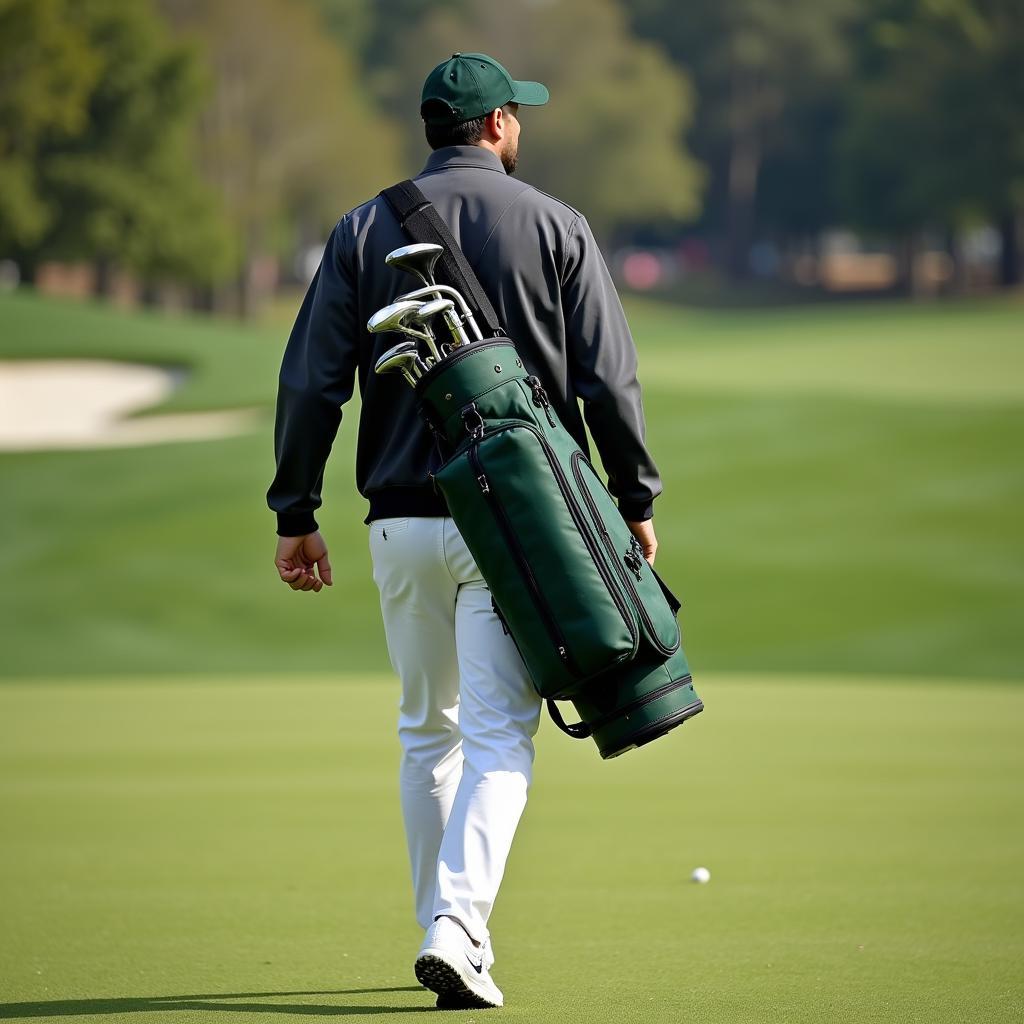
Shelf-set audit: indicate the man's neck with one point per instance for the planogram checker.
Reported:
(492, 147)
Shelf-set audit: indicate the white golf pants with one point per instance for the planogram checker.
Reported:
(467, 718)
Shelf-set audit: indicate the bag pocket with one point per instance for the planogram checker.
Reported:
(655, 605)
(547, 570)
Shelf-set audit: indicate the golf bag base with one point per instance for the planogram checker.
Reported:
(633, 706)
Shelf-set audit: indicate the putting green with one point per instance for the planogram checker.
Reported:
(217, 849)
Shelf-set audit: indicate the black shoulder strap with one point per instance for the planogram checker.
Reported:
(422, 223)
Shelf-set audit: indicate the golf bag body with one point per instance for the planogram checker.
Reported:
(592, 620)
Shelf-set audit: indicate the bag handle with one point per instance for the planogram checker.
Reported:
(578, 731)
(422, 223)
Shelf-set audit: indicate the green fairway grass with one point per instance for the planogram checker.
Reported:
(198, 767)
(944, 353)
(211, 849)
(842, 493)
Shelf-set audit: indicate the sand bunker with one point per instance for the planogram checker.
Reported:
(79, 403)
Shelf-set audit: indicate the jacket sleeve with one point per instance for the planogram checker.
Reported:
(317, 377)
(602, 366)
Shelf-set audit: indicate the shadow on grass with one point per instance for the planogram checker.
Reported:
(211, 1001)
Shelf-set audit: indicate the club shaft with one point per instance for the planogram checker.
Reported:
(455, 329)
(432, 344)
(447, 290)
(413, 332)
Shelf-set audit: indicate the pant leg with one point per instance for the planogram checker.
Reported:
(499, 713)
(418, 603)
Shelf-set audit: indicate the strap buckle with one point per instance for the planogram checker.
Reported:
(473, 421)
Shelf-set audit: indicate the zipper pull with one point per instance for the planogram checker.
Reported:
(638, 552)
(485, 487)
(563, 654)
(633, 564)
(540, 398)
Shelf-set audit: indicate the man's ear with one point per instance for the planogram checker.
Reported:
(494, 124)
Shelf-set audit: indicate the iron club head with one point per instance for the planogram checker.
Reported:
(404, 358)
(418, 258)
(394, 317)
(433, 308)
(388, 318)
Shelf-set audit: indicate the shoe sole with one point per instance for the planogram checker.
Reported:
(444, 979)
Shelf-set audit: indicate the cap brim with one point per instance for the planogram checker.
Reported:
(530, 94)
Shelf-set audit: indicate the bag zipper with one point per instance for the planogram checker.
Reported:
(661, 691)
(462, 352)
(519, 557)
(630, 559)
(581, 527)
(578, 519)
(642, 702)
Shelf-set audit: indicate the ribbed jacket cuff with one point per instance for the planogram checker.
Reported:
(636, 512)
(295, 524)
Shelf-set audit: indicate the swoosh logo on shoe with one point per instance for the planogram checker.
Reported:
(478, 967)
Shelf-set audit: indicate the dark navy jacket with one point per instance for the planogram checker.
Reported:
(543, 272)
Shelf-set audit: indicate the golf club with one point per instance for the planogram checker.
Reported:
(445, 308)
(393, 317)
(439, 290)
(421, 365)
(423, 316)
(418, 258)
(403, 358)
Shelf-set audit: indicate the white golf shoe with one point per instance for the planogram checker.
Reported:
(450, 964)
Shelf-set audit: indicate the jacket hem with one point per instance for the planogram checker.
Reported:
(402, 502)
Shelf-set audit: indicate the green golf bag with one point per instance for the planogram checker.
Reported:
(592, 620)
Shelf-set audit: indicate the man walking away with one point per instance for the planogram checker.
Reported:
(468, 710)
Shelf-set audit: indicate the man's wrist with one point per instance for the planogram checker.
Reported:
(295, 524)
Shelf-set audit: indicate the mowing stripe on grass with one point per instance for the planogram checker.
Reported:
(222, 851)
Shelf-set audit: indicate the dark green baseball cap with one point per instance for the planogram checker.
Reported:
(469, 85)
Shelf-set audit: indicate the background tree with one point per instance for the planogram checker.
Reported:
(103, 134)
(935, 132)
(47, 70)
(769, 77)
(288, 136)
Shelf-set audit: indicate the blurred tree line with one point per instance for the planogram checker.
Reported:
(209, 141)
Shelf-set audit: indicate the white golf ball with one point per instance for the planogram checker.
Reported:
(701, 875)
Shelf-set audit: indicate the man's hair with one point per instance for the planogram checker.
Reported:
(468, 133)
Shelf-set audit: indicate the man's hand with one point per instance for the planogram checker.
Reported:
(297, 559)
(644, 532)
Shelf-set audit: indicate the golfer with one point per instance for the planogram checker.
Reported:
(468, 710)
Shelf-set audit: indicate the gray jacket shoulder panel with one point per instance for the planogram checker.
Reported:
(559, 203)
